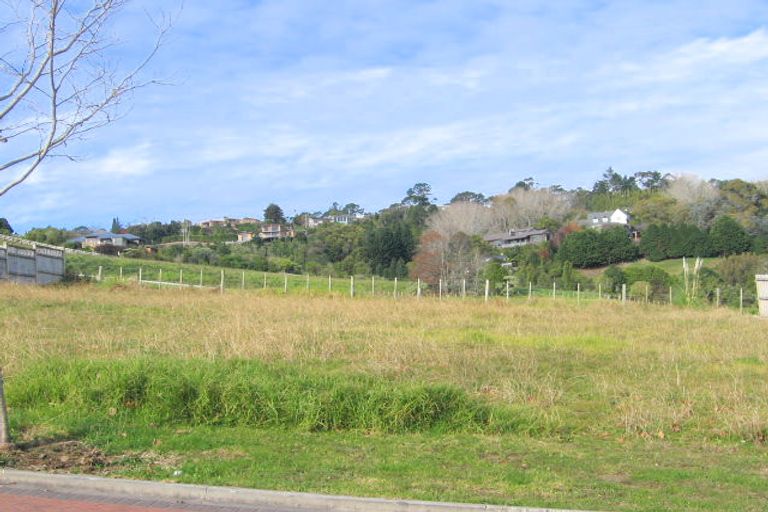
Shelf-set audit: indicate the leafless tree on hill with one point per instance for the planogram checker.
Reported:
(697, 196)
(522, 208)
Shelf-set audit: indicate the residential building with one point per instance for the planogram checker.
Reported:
(608, 218)
(102, 238)
(276, 232)
(518, 237)
(245, 236)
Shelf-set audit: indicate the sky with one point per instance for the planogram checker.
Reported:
(304, 102)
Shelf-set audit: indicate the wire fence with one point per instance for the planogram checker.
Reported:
(224, 280)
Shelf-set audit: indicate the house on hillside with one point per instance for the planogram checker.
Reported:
(227, 222)
(213, 223)
(608, 219)
(518, 237)
(276, 232)
(347, 218)
(105, 238)
(245, 236)
(313, 222)
(617, 217)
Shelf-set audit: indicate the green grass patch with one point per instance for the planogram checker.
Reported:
(250, 393)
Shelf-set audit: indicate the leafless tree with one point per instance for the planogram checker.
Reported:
(688, 189)
(522, 208)
(697, 197)
(461, 217)
(447, 250)
(57, 82)
(56, 85)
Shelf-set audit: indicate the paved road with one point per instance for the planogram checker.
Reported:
(20, 499)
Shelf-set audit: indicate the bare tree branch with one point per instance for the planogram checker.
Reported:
(58, 87)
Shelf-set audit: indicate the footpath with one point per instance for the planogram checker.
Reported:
(26, 491)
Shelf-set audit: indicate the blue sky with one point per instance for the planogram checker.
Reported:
(304, 103)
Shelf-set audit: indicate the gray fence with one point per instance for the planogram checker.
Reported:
(762, 294)
(33, 265)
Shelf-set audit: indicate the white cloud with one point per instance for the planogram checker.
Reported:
(119, 162)
(699, 58)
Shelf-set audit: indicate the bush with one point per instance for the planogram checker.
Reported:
(639, 290)
(654, 276)
(728, 237)
(591, 248)
(740, 270)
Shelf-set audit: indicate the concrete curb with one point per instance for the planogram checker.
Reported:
(121, 488)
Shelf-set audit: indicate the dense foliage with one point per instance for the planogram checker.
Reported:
(593, 248)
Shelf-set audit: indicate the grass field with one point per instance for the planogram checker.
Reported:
(112, 268)
(550, 403)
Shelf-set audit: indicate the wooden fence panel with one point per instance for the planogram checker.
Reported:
(762, 294)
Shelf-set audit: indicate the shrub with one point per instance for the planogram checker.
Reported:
(728, 237)
(591, 248)
(654, 276)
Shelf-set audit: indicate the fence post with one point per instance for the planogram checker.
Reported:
(121, 273)
(599, 290)
(139, 276)
(285, 282)
(440, 290)
(160, 275)
(624, 293)
(554, 289)
(646, 293)
(487, 289)
(463, 288)
(5, 428)
(530, 290)
(100, 270)
(741, 300)
(418, 287)
(717, 297)
(670, 295)
(265, 281)
(242, 281)
(307, 282)
(394, 290)
(352, 286)
(181, 276)
(221, 284)
(330, 283)
(507, 290)
(578, 293)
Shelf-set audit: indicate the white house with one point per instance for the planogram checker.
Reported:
(601, 219)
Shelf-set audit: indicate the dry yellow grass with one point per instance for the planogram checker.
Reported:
(596, 367)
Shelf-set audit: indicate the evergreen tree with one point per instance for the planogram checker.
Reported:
(274, 214)
(728, 237)
(5, 227)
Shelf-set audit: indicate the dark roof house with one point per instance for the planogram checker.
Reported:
(518, 237)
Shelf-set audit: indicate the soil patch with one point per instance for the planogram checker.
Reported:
(57, 456)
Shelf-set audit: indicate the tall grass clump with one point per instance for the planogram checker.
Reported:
(247, 392)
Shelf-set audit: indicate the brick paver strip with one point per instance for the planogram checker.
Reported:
(22, 503)
(25, 499)
(187, 497)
